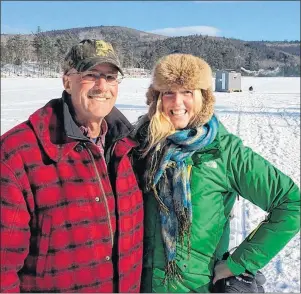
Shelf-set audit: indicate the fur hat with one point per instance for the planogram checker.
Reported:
(186, 71)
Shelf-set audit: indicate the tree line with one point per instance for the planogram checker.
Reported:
(46, 50)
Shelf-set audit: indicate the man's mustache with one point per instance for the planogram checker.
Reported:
(99, 94)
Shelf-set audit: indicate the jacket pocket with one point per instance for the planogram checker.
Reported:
(174, 286)
(196, 264)
(44, 244)
(196, 271)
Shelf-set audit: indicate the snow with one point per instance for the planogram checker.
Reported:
(262, 72)
(267, 120)
(28, 69)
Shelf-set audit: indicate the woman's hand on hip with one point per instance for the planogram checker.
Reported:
(221, 271)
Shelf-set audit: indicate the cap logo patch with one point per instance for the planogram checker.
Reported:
(103, 48)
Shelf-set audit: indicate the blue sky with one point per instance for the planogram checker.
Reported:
(246, 20)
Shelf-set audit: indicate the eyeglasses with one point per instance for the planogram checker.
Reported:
(93, 76)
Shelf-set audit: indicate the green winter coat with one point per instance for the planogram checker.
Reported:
(219, 173)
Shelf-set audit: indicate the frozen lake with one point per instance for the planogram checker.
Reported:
(267, 120)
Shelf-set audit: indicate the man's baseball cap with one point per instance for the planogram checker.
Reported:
(88, 53)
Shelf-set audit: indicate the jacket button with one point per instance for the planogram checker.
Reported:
(108, 258)
(79, 148)
(97, 199)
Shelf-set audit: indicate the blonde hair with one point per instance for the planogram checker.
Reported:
(161, 127)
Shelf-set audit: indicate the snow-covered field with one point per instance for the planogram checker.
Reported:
(267, 120)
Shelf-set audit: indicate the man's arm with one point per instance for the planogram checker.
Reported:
(15, 232)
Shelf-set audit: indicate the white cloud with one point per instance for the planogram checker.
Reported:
(6, 29)
(214, 1)
(186, 31)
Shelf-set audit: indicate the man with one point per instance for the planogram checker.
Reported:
(72, 215)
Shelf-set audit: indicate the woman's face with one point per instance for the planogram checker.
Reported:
(179, 107)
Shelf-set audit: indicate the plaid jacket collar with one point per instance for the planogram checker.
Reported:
(58, 133)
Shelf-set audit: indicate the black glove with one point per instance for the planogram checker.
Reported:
(244, 283)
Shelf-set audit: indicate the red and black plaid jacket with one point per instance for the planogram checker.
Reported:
(60, 211)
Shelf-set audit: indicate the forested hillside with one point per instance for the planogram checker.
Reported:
(138, 49)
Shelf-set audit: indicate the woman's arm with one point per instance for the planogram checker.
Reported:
(258, 181)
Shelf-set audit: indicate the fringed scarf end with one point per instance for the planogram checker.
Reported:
(163, 207)
(172, 272)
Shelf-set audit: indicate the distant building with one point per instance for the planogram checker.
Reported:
(227, 81)
(136, 73)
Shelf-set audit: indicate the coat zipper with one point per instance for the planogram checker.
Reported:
(104, 195)
(265, 221)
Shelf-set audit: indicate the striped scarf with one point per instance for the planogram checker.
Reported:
(172, 179)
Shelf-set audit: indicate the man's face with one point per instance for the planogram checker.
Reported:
(92, 100)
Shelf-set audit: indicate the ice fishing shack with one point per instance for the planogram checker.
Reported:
(227, 81)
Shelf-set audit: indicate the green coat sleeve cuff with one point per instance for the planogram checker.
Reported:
(235, 268)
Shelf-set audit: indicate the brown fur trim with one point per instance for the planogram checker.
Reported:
(181, 71)
(207, 109)
(151, 95)
(151, 100)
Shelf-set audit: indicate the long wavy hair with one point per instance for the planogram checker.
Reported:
(160, 126)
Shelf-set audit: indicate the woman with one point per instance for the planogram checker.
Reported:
(192, 169)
